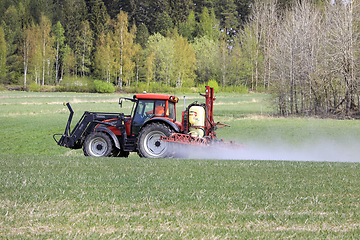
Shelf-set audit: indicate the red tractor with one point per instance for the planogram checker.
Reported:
(151, 130)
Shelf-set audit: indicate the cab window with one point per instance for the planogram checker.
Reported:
(141, 112)
(171, 110)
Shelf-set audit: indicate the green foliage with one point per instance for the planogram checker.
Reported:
(142, 35)
(97, 17)
(212, 83)
(76, 84)
(163, 24)
(228, 15)
(103, 87)
(207, 66)
(162, 49)
(3, 54)
(84, 49)
(33, 87)
(12, 28)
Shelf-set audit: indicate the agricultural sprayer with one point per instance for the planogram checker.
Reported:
(151, 130)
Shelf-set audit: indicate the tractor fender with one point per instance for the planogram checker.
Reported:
(166, 121)
(113, 136)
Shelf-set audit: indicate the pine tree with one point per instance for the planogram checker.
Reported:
(163, 24)
(187, 28)
(97, 17)
(180, 10)
(228, 21)
(204, 26)
(2, 54)
(243, 9)
(142, 35)
(74, 14)
(155, 8)
(12, 29)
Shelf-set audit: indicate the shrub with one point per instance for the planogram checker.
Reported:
(211, 83)
(235, 89)
(33, 87)
(76, 84)
(103, 87)
(260, 89)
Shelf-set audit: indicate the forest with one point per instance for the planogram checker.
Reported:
(305, 53)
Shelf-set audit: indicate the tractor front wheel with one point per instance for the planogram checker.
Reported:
(98, 144)
(149, 144)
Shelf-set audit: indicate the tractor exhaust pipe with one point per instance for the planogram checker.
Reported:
(184, 104)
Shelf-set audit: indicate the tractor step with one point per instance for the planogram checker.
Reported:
(130, 145)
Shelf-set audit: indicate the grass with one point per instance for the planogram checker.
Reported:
(81, 197)
(47, 191)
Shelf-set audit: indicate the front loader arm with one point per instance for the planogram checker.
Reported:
(86, 125)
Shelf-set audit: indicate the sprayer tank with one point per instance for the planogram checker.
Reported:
(197, 121)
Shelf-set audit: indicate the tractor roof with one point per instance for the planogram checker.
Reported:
(151, 96)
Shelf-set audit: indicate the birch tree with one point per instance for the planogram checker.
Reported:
(27, 49)
(45, 28)
(128, 55)
(163, 50)
(343, 47)
(295, 57)
(207, 65)
(138, 52)
(149, 68)
(120, 41)
(84, 49)
(59, 40)
(184, 62)
(104, 57)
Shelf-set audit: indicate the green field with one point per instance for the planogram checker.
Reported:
(47, 191)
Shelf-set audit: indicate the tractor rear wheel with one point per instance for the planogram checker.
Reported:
(98, 144)
(149, 144)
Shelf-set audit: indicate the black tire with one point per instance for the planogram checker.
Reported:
(98, 144)
(149, 144)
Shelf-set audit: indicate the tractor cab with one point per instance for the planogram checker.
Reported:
(151, 107)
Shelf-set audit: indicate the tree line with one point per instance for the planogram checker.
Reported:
(312, 58)
(305, 52)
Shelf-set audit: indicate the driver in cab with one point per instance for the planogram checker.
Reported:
(159, 110)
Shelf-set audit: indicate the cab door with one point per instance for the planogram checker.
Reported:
(142, 114)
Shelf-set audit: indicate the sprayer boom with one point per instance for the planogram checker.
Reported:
(198, 126)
